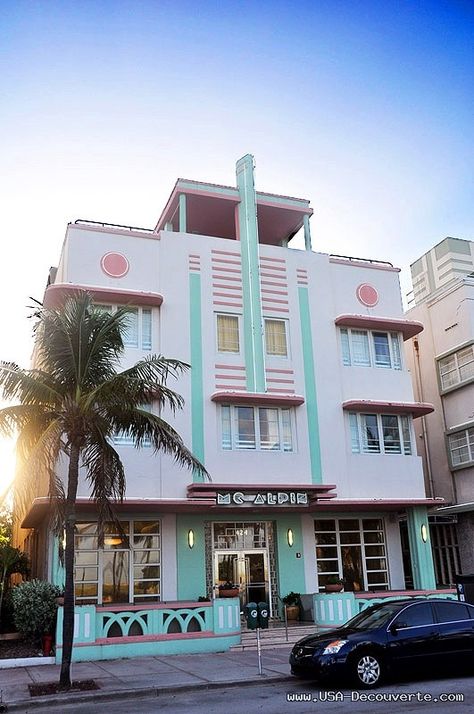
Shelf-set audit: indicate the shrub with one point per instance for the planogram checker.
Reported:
(34, 604)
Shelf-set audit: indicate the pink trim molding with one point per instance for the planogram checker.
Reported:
(258, 398)
(409, 328)
(417, 409)
(56, 294)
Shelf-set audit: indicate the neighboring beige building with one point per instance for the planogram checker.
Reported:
(441, 359)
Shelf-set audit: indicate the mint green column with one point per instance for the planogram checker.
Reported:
(420, 552)
(307, 233)
(191, 562)
(310, 386)
(253, 323)
(197, 389)
(58, 574)
(182, 213)
(290, 568)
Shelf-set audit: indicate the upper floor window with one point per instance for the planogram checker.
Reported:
(228, 333)
(461, 447)
(457, 367)
(380, 434)
(268, 429)
(125, 438)
(364, 348)
(275, 337)
(138, 328)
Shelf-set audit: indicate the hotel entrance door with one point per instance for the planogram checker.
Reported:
(247, 570)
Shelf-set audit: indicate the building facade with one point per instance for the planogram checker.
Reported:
(441, 359)
(299, 402)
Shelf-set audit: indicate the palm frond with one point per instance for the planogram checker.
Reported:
(28, 386)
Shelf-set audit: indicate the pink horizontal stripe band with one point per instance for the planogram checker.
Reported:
(278, 285)
(270, 300)
(274, 276)
(227, 277)
(272, 267)
(230, 387)
(229, 304)
(281, 391)
(273, 260)
(227, 287)
(227, 295)
(274, 380)
(216, 262)
(279, 371)
(194, 255)
(274, 292)
(229, 366)
(222, 269)
(230, 376)
(224, 252)
(276, 309)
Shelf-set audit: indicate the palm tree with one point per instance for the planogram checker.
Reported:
(71, 405)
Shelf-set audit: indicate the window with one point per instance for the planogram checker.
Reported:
(352, 549)
(451, 611)
(256, 428)
(457, 367)
(228, 333)
(461, 447)
(380, 434)
(123, 438)
(138, 329)
(415, 616)
(116, 572)
(275, 337)
(362, 348)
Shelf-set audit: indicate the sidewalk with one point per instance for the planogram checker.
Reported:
(144, 675)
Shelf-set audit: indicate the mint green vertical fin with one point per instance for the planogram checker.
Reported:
(197, 390)
(307, 233)
(253, 323)
(182, 213)
(310, 386)
(58, 573)
(420, 551)
(191, 562)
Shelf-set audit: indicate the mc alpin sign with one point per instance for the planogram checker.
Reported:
(270, 498)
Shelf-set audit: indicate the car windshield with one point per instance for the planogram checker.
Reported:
(373, 617)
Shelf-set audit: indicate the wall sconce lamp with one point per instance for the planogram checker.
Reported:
(289, 537)
(191, 538)
(424, 532)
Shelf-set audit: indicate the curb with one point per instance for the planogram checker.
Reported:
(97, 695)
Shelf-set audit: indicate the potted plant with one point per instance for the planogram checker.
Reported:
(292, 603)
(35, 609)
(228, 589)
(334, 584)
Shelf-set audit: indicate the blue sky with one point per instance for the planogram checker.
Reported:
(365, 108)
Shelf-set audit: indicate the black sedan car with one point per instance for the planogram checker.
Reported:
(406, 634)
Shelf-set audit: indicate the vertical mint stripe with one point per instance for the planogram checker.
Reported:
(310, 386)
(420, 552)
(197, 390)
(253, 323)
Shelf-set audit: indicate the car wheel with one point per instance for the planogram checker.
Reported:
(367, 669)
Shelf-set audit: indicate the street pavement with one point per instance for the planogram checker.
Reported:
(142, 676)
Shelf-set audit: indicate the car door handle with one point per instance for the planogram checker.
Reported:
(434, 635)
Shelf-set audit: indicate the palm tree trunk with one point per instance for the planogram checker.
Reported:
(70, 522)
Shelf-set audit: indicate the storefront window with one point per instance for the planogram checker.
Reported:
(118, 572)
(352, 549)
(239, 536)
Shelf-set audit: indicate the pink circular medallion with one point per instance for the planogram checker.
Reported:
(367, 295)
(114, 264)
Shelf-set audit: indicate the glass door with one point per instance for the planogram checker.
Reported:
(246, 570)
